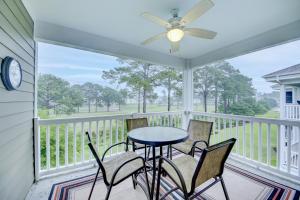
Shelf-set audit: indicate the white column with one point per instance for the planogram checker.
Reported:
(282, 101)
(187, 94)
(283, 147)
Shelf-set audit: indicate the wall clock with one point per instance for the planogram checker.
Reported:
(11, 73)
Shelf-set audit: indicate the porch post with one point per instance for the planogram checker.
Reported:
(282, 101)
(187, 94)
(283, 129)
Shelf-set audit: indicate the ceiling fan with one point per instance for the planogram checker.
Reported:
(175, 27)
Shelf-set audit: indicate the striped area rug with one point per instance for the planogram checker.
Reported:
(241, 185)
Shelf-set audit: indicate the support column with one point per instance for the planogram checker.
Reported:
(187, 95)
(282, 101)
(283, 129)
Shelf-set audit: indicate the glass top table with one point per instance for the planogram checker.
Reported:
(157, 137)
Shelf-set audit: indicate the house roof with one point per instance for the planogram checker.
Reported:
(295, 69)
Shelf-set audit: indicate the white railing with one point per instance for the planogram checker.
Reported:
(292, 111)
(259, 141)
(61, 144)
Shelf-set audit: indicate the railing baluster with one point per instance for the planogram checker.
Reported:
(251, 140)
(268, 143)
(298, 150)
(117, 135)
(82, 141)
(66, 144)
(104, 135)
(48, 147)
(224, 129)
(289, 149)
(91, 135)
(219, 130)
(110, 135)
(237, 135)
(278, 148)
(74, 144)
(57, 145)
(259, 141)
(153, 120)
(97, 137)
(244, 138)
(123, 131)
(230, 127)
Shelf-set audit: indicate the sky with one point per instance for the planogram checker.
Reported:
(78, 66)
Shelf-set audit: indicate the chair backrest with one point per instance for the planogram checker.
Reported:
(200, 130)
(212, 162)
(136, 123)
(97, 158)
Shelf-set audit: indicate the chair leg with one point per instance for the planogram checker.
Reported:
(168, 151)
(133, 182)
(147, 180)
(108, 191)
(145, 152)
(171, 152)
(224, 189)
(158, 179)
(149, 149)
(90, 195)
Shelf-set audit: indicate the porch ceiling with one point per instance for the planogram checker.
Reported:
(242, 26)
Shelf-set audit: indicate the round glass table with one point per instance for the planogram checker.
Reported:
(157, 137)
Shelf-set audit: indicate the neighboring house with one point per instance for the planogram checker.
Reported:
(288, 82)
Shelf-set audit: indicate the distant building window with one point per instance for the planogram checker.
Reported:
(289, 97)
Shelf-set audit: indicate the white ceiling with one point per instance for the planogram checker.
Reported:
(120, 20)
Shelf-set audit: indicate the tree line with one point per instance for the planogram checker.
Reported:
(231, 91)
(57, 94)
(137, 79)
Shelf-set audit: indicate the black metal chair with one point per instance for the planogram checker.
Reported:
(188, 173)
(199, 136)
(138, 123)
(119, 168)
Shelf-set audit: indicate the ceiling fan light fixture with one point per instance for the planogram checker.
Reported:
(175, 35)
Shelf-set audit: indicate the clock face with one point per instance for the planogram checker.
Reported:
(15, 74)
(11, 73)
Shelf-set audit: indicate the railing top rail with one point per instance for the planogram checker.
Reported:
(288, 122)
(104, 117)
(292, 105)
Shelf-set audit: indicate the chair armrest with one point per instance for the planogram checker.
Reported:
(125, 163)
(195, 147)
(112, 147)
(200, 141)
(176, 170)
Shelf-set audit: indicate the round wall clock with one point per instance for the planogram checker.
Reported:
(11, 73)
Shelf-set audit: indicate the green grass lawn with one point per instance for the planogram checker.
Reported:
(125, 109)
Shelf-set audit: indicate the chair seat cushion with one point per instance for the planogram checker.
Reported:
(186, 146)
(186, 165)
(112, 164)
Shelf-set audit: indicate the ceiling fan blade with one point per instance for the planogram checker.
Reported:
(199, 9)
(174, 47)
(201, 33)
(156, 19)
(152, 39)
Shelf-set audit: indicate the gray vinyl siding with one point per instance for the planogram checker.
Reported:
(16, 107)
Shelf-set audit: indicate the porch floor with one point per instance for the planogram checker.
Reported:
(239, 186)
